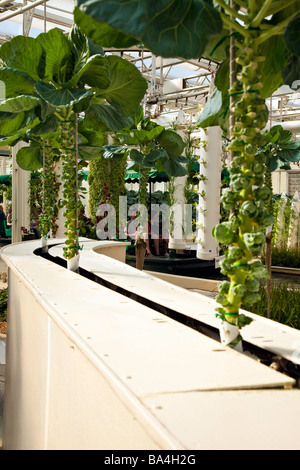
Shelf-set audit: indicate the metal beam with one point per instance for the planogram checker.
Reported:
(21, 10)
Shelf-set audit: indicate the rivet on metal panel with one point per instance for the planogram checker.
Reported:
(156, 407)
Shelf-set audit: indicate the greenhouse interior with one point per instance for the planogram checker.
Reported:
(149, 227)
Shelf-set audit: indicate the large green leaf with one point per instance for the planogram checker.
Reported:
(60, 97)
(24, 54)
(17, 123)
(114, 151)
(49, 126)
(292, 36)
(277, 133)
(87, 152)
(30, 120)
(106, 117)
(173, 168)
(83, 104)
(10, 123)
(19, 104)
(94, 138)
(217, 47)
(30, 158)
(127, 86)
(80, 49)
(58, 53)
(102, 33)
(276, 54)
(171, 142)
(215, 111)
(11, 141)
(95, 73)
(168, 28)
(146, 161)
(16, 82)
(291, 72)
(290, 155)
(46, 109)
(143, 136)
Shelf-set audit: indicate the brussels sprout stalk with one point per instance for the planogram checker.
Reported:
(247, 198)
(69, 176)
(49, 196)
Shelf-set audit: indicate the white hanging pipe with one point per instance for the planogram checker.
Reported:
(4, 2)
(21, 10)
(153, 74)
(209, 192)
(293, 126)
(177, 235)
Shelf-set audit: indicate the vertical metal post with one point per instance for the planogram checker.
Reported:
(231, 81)
(20, 194)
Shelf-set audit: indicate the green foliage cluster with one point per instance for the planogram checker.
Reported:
(6, 191)
(49, 195)
(285, 304)
(3, 304)
(285, 257)
(282, 226)
(106, 179)
(35, 196)
(62, 91)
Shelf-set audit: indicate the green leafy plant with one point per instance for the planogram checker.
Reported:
(3, 304)
(265, 53)
(106, 180)
(148, 145)
(285, 302)
(50, 81)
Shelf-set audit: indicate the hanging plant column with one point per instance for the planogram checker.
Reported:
(70, 192)
(248, 196)
(49, 213)
(210, 164)
(140, 242)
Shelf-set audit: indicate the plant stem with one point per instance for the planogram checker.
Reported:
(248, 210)
(241, 3)
(231, 11)
(278, 6)
(262, 13)
(274, 31)
(251, 8)
(69, 176)
(236, 26)
(76, 179)
(49, 193)
(231, 80)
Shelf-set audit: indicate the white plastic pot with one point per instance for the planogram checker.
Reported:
(73, 263)
(44, 244)
(229, 333)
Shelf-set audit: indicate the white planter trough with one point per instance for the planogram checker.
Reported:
(88, 367)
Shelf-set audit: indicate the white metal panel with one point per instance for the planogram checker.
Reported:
(243, 420)
(262, 332)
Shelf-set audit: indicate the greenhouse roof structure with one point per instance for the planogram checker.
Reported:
(173, 84)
